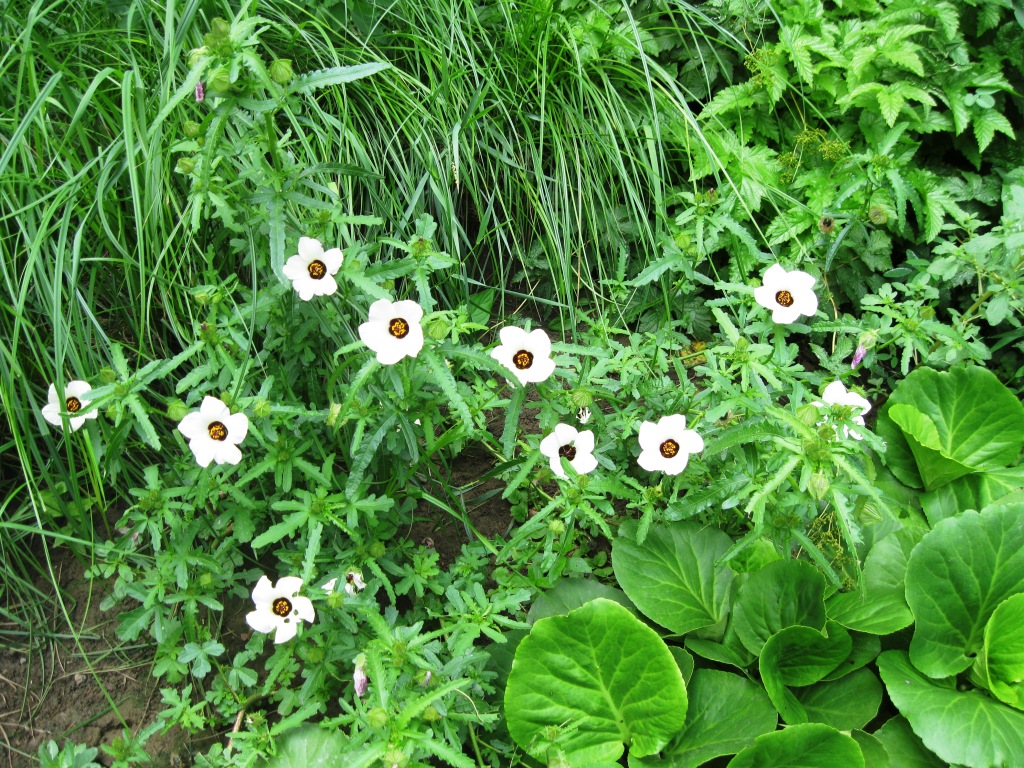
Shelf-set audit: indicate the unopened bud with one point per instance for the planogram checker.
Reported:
(556, 527)
(107, 376)
(220, 27)
(809, 414)
(281, 71)
(430, 715)
(219, 81)
(377, 549)
(196, 55)
(818, 485)
(877, 215)
(186, 165)
(858, 355)
(361, 680)
(176, 410)
(438, 328)
(581, 398)
(378, 717)
(191, 128)
(261, 409)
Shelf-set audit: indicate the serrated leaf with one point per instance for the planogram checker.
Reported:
(321, 78)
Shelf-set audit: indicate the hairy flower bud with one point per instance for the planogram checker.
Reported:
(877, 215)
(220, 27)
(281, 71)
(262, 408)
(185, 165)
(191, 128)
(219, 81)
(377, 717)
(107, 376)
(176, 410)
(818, 485)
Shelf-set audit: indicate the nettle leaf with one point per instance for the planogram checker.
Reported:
(800, 656)
(949, 424)
(1001, 662)
(782, 594)
(962, 727)
(727, 713)
(956, 577)
(673, 578)
(811, 745)
(587, 685)
(879, 606)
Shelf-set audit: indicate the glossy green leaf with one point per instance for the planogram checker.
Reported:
(673, 578)
(311, 746)
(569, 594)
(726, 713)
(847, 703)
(586, 685)
(684, 661)
(880, 606)
(799, 656)
(1001, 662)
(875, 755)
(811, 745)
(943, 425)
(956, 577)
(961, 727)
(904, 748)
(782, 594)
(865, 648)
(974, 491)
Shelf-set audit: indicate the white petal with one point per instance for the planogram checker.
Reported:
(541, 370)
(651, 437)
(263, 593)
(93, 414)
(333, 260)
(194, 425)
(513, 337)
(834, 393)
(584, 441)
(328, 286)
(391, 351)
(238, 427)
(408, 310)
(690, 442)
(503, 355)
(204, 449)
(765, 296)
(565, 433)
(262, 621)
(51, 412)
(51, 397)
(226, 453)
(310, 248)
(805, 302)
(673, 425)
(76, 422)
(296, 268)
(555, 462)
(549, 446)
(328, 586)
(288, 586)
(676, 464)
(374, 334)
(785, 315)
(306, 287)
(801, 281)
(538, 342)
(77, 388)
(380, 312)
(775, 277)
(652, 460)
(214, 409)
(413, 343)
(286, 631)
(584, 462)
(304, 607)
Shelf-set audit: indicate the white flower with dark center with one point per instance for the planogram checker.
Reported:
(787, 294)
(312, 269)
(666, 446)
(354, 583)
(279, 607)
(214, 433)
(393, 330)
(835, 394)
(73, 405)
(583, 414)
(576, 447)
(527, 355)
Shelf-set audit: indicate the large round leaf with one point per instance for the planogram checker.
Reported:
(974, 491)
(904, 748)
(1002, 659)
(726, 713)
(311, 746)
(780, 595)
(865, 649)
(943, 425)
(956, 577)
(847, 703)
(875, 755)
(588, 684)
(801, 746)
(962, 727)
(569, 594)
(879, 606)
(798, 656)
(673, 578)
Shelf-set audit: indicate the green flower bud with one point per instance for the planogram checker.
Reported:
(394, 756)
(111, 412)
(809, 414)
(377, 717)
(191, 128)
(206, 579)
(333, 414)
(314, 654)
(186, 165)
(202, 298)
(581, 399)
(197, 54)
(377, 549)
(438, 328)
(281, 71)
(176, 410)
(419, 246)
(430, 715)
(220, 27)
(556, 527)
(877, 215)
(423, 678)
(107, 376)
(867, 339)
(261, 409)
(818, 485)
(219, 82)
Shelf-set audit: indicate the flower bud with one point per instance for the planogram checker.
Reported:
(219, 81)
(395, 758)
(419, 246)
(361, 680)
(314, 654)
(176, 410)
(423, 678)
(191, 128)
(809, 415)
(430, 715)
(333, 414)
(281, 71)
(867, 339)
(196, 55)
(262, 408)
(186, 165)
(200, 92)
(438, 328)
(581, 399)
(107, 376)
(818, 485)
(858, 355)
(378, 718)
(556, 527)
(220, 27)
(877, 215)
(206, 578)
(377, 549)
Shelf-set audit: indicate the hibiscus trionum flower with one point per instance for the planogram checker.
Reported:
(576, 447)
(354, 583)
(835, 394)
(666, 446)
(312, 269)
(393, 330)
(279, 607)
(527, 355)
(72, 405)
(787, 294)
(214, 433)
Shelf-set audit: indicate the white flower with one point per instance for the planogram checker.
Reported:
(666, 446)
(354, 583)
(73, 403)
(393, 330)
(787, 294)
(527, 355)
(279, 606)
(312, 269)
(577, 447)
(583, 414)
(836, 394)
(214, 433)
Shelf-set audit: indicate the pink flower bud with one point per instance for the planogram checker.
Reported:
(359, 678)
(200, 92)
(858, 355)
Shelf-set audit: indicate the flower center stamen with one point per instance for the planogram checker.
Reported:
(784, 298)
(669, 448)
(568, 450)
(398, 328)
(317, 269)
(73, 404)
(282, 607)
(523, 359)
(217, 431)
